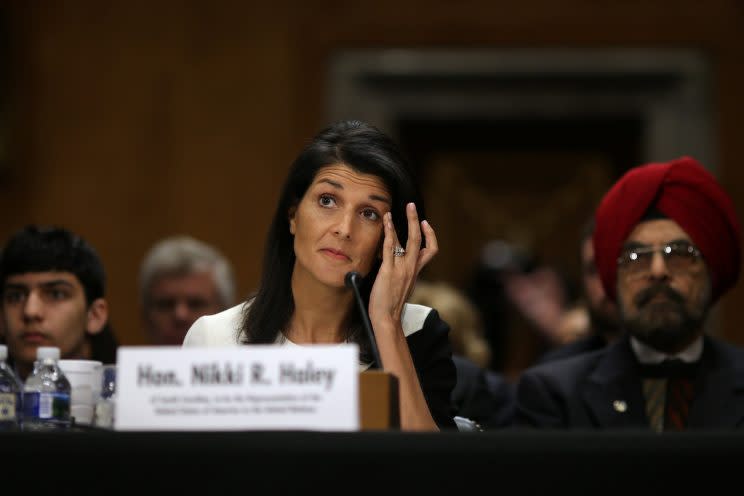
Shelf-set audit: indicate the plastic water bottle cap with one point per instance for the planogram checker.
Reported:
(43, 352)
(3, 352)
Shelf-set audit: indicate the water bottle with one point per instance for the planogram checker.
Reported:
(46, 394)
(10, 395)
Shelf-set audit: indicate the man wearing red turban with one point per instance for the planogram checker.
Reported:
(667, 247)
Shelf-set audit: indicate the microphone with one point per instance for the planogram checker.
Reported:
(352, 282)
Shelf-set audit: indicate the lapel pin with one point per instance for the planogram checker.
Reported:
(619, 406)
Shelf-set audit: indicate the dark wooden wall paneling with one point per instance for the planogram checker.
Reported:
(131, 120)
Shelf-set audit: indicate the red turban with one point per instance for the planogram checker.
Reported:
(683, 191)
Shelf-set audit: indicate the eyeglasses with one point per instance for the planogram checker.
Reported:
(678, 257)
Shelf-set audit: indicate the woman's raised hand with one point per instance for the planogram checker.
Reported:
(400, 266)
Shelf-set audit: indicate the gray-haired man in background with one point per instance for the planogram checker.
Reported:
(181, 279)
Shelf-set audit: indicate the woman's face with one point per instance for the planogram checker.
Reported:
(337, 225)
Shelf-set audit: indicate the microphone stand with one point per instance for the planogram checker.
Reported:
(352, 280)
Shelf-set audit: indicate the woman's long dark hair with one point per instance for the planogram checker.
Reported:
(366, 150)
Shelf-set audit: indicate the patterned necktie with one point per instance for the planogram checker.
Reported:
(679, 396)
(654, 390)
(668, 390)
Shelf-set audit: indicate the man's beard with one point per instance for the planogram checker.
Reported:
(667, 325)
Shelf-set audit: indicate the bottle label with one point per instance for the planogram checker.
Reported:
(46, 406)
(8, 402)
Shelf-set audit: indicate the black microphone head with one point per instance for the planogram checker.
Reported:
(351, 279)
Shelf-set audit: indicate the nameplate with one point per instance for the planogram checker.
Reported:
(259, 387)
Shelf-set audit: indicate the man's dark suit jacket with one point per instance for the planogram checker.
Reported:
(603, 390)
(483, 395)
(585, 344)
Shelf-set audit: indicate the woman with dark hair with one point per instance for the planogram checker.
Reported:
(349, 204)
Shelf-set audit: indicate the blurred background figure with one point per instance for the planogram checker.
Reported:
(466, 336)
(593, 322)
(480, 394)
(487, 292)
(523, 303)
(181, 279)
(541, 296)
(53, 294)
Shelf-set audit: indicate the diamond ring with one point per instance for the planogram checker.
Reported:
(399, 251)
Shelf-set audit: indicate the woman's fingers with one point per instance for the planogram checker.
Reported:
(413, 245)
(432, 246)
(414, 256)
(398, 272)
(390, 241)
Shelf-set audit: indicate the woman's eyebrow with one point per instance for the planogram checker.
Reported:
(382, 199)
(332, 183)
(338, 185)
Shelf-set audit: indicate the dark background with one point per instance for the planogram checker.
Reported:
(129, 121)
